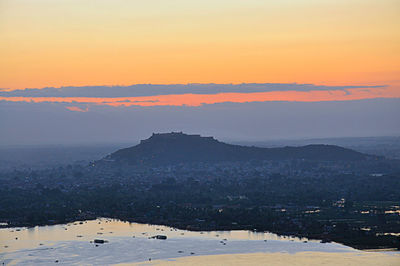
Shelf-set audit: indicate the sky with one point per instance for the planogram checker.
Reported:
(49, 43)
(81, 55)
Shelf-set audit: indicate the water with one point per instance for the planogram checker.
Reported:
(70, 244)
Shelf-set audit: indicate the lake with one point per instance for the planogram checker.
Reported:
(130, 243)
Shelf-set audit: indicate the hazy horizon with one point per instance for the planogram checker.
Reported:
(54, 123)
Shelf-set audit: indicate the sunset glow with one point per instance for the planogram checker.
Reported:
(200, 99)
(80, 43)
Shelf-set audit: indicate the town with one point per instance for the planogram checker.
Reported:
(355, 203)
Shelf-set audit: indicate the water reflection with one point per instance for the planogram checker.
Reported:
(73, 243)
(12, 239)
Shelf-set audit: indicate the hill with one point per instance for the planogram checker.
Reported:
(174, 148)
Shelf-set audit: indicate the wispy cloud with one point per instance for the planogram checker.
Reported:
(142, 90)
(197, 99)
(77, 109)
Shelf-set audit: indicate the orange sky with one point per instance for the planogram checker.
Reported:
(77, 43)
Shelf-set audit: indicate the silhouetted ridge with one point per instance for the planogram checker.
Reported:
(173, 148)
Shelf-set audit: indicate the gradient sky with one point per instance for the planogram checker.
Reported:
(121, 42)
(299, 68)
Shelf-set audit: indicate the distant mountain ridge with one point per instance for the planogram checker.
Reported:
(177, 147)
